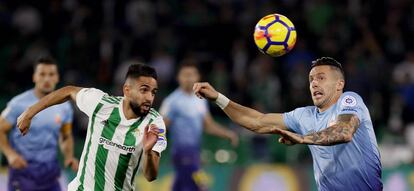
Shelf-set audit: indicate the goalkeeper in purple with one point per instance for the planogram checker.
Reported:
(338, 129)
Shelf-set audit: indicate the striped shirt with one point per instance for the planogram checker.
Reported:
(113, 149)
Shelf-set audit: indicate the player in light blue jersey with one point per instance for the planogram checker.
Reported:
(338, 129)
(33, 160)
(186, 117)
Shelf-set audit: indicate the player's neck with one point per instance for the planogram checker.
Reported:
(39, 94)
(187, 91)
(127, 110)
(330, 103)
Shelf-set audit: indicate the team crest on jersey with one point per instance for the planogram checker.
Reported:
(58, 119)
(349, 101)
(138, 131)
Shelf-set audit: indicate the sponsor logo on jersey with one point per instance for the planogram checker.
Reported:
(112, 146)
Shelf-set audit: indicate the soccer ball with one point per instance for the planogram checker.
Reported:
(275, 35)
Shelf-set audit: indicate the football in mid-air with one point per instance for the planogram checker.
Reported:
(275, 35)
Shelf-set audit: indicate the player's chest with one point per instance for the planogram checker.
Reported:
(122, 139)
(318, 122)
(190, 108)
(48, 119)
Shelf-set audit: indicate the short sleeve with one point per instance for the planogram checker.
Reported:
(351, 103)
(161, 143)
(291, 120)
(166, 109)
(68, 115)
(11, 112)
(87, 99)
(205, 109)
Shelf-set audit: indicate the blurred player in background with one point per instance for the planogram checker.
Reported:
(118, 139)
(186, 116)
(338, 129)
(33, 160)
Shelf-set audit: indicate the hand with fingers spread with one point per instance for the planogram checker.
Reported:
(150, 137)
(205, 90)
(289, 138)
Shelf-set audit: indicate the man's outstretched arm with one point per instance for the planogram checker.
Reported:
(244, 116)
(340, 132)
(59, 96)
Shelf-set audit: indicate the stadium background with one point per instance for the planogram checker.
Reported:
(94, 41)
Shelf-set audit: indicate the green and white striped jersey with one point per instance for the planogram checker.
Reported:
(113, 147)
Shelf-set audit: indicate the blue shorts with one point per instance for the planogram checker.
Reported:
(36, 177)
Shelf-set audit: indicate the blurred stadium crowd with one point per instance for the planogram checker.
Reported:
(94, 42)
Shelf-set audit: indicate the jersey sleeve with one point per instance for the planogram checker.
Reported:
(161, 143)
(68, 117)
(205, 109)
(291, 120)
(87, 99)
(166, 109)
(351, 103)
(11, 112)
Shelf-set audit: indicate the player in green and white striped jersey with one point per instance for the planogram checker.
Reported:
(123, 132)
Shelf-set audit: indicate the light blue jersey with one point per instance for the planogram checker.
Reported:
(186, 113)
(353, 166)
(40, 145)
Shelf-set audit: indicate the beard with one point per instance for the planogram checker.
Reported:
(137, 109)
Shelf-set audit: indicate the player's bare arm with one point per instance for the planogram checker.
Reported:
(214, 128)
(66, 146)
(249, 118)
(15, 160)
(341, 132)
(59, 96)
(151, 158)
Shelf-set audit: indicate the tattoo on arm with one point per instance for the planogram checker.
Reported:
(341, 132)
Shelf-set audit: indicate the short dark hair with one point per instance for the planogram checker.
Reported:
(328, 61)
(138, 70)
(189, 62)
(48, 60)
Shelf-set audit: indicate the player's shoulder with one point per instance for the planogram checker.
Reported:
(306, 111)
(350, 98)
(351, 93)
(110, 99)
(176, 94)
(156, 117)
(22, 98)
(154, 114)
(91, 91)
(105, 101)
(172, 98)
(66, 105)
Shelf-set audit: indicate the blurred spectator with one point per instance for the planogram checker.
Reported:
(404, 79)
(27, 20)
(165, 66)
(265, 85)
(219, 77)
